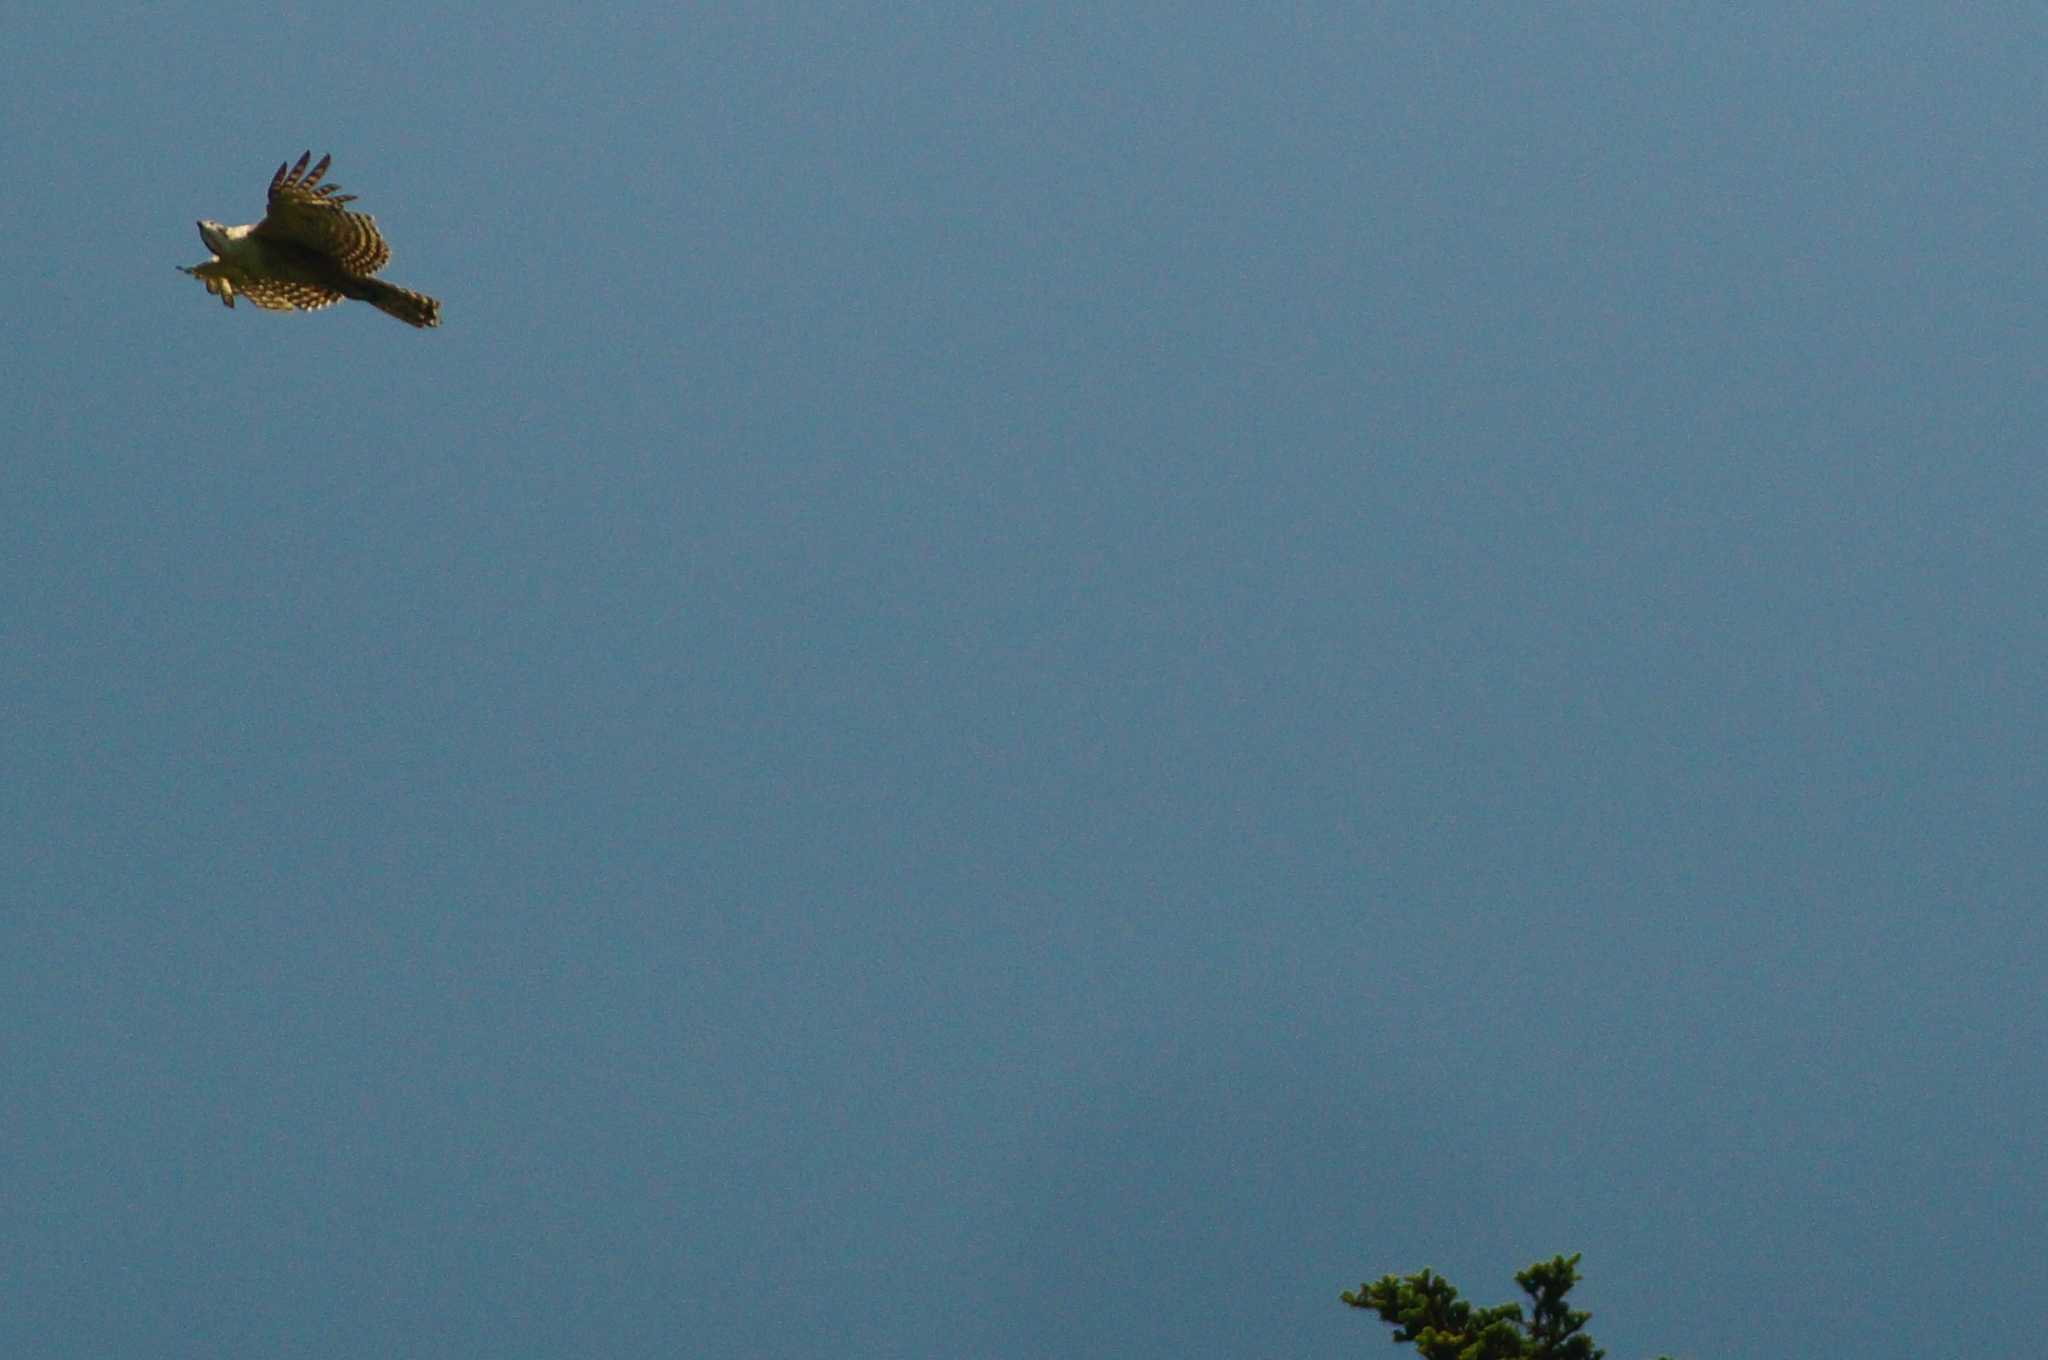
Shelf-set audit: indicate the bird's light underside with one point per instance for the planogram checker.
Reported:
(308, 252)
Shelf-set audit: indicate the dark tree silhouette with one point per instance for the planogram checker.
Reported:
(1425, 1312)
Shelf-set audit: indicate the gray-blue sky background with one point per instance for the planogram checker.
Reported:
(1026, 681)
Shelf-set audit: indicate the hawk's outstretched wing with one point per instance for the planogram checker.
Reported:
(308, 213)
(280, 295)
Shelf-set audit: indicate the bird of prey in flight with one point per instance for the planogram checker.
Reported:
(308, 252)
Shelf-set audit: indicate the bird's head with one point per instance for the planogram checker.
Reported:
(215, 235)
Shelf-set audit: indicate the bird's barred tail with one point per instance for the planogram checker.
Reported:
(414, 309)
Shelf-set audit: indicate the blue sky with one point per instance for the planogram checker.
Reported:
(1026, 681)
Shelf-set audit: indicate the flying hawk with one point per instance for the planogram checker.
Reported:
(308, 252)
